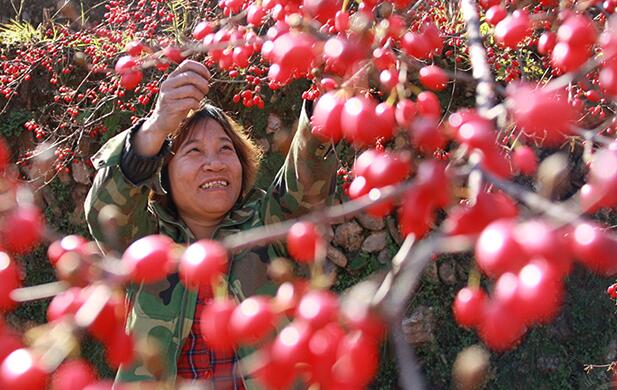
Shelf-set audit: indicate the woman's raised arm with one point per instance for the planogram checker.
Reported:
(306, 179)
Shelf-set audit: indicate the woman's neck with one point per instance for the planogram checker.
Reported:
(201, 229)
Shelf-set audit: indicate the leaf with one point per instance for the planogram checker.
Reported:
(18, 32)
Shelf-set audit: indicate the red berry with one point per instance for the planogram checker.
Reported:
(66, 244)
(120, 348)
(251, 320)
(147, 259)
(9, 280)
(20, 370)
(468, 306)
(497, 251)
(524, 158)
(303, 241)
(513, 29)
(73, 375)
(496, 14)
(215, 320)
(125, 64)
(203, 263)
(318, 308)
(433, 77)
(22, 230)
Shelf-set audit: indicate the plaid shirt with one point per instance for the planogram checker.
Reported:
(198, 362)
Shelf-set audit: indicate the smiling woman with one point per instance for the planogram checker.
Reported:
(187, 172)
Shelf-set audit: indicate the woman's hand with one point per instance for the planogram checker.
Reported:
(182, 91)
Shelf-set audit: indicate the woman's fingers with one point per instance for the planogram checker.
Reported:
(194, 66)
(184, 91)
(186, 104)
(186, 78)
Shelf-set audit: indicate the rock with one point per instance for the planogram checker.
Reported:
(430, 272)
(370, 222)
(384, 257)
(374, 242)
(419, 326)
(393, 230)
(336, 256)
(548, 363)
(274, 124)
(349, 236)
(81, 172)
(611, 349)
(447, 273)
(263, 143)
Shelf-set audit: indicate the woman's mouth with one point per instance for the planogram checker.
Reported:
(214, 184)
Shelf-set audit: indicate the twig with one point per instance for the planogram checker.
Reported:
(409, 370)
(265, 234)
(481, 71)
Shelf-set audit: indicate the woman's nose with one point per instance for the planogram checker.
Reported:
(212, 164)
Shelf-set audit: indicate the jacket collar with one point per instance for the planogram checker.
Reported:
(242, 212)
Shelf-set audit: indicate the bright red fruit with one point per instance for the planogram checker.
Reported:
(291, 345)
(288, 296)
(358, 120)
(323, 348)
(73, 375)
(214, 324)
(120, 348)
(10, 279)
(22, 229)
(489, 207)
(66, 244)
(9, 342)
(5, 154)
(303, 240)
(496, 14)
(147, 259)
(513, 29)
(322, 10)
(202, 263)
(294, 53)
(357, 360)
(255, 15)
(539, 291)
(497, 251)
(525, 159)
(540, 239)
(544, 114)
(594, 248)
(173, 54)
(202, 29)
(578, 31)
(426, 135)
(428, 104)
(468, 306)
(416, 45)
(326, 118)
(20, 370)
(134, 48)
(433, 77)
(501, 329)
(318, 308)
(405, 112)
(251, 320)
(547, 42)
(125, 64)
(568, 58)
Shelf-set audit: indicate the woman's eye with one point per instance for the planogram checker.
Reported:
(193, 150)
(227, 147)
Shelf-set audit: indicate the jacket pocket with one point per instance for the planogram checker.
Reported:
(158, 300)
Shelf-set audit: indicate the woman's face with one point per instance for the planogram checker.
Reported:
(205, 174)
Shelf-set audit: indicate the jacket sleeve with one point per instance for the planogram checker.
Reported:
(116, 163)
(306, 180)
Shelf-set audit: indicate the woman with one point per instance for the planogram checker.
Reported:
(187, 171)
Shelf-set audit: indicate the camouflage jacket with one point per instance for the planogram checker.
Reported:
(165, 310)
